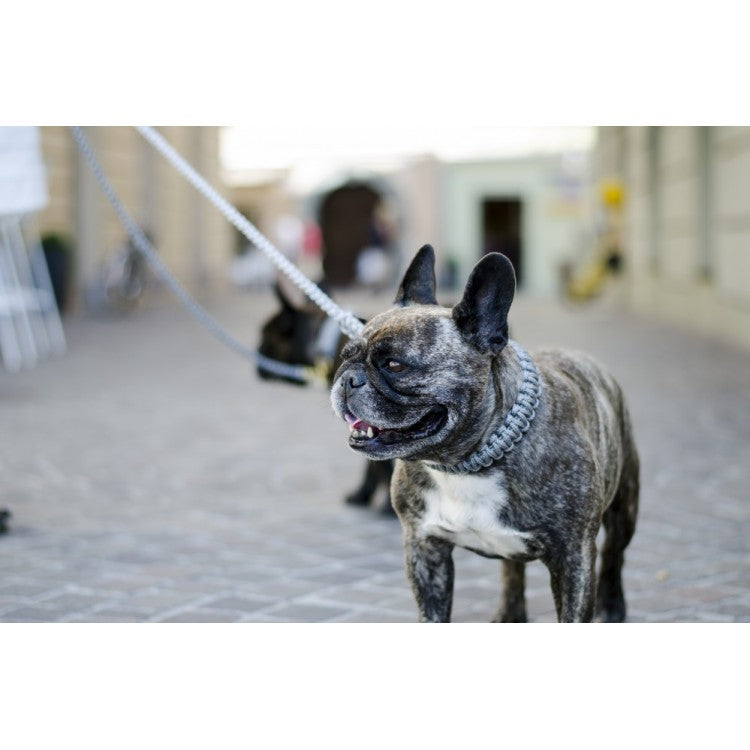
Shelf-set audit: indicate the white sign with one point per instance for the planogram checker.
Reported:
(23, 182)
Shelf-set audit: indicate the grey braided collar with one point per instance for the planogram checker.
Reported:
(514, 427)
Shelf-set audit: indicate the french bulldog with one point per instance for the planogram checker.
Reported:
(510, 456)
(299, 334)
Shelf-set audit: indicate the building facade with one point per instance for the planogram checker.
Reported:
(686, 230)
(192, 237)
(533, 208)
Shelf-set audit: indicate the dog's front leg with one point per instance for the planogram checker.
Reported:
(364, 493)
(429, 568)
(513, 604)
(574, 583)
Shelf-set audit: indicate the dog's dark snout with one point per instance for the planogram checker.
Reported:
(355, 380)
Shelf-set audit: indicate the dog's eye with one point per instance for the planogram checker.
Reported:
(394, 366)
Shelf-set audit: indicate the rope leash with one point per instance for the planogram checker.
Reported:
(348, 323)
(517, 421)
(299, 373)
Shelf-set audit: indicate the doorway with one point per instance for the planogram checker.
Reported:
(502, 222)
(347, 218)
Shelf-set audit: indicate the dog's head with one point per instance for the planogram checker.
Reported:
(414, 385)
(289, 336)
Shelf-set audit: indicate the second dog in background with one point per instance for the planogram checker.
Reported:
(301, 334)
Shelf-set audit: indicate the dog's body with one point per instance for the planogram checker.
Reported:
(431, 386)
(297, 335)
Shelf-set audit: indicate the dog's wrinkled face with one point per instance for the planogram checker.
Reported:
(415, 384)
(407, 383)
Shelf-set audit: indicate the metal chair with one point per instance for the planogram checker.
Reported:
(30, 325)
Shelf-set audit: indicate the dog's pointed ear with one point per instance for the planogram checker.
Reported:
(281, 297)
(291, 299)
(482, 315)
(418, 284)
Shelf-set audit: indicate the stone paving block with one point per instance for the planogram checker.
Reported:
(367, 593)
(277, 588)
(738, 608)
(336, 576)
(703, 594)
(689, 615)
(381, 563)
(32, 614)
(263, 618)
(26, 589)
(10, 602)
(722, 565)
(479, 613)
(241, 603)
(125, 587)
(375, 616)
(107, 615)
(155, 601)
(406, 602)
(70, 601)
(667, 602)
(199, 615)
(298, 612)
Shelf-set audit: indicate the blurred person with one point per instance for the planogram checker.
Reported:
(253, 269)
(356, 221)
(375, 266)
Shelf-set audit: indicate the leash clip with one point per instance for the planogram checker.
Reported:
(320, 371)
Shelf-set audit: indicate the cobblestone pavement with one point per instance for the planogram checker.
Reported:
(152, 477)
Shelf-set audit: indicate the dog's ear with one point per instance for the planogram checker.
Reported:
(291, 298)
(418, 284)
(282, 298)
(482, 315)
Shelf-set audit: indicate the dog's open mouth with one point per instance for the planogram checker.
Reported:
(364, 434)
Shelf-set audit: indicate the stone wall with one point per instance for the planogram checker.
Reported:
(687, 228)
(192, 237)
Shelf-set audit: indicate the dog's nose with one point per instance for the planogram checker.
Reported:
(355, 380)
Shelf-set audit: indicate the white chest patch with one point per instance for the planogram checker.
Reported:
(464, 510)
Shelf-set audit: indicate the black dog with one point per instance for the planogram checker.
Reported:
(302, 335)
(512, 457)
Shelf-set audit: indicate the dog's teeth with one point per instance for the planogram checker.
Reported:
(370, 433)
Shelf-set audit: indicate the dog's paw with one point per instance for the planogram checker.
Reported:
(616, 614)
(610, 609)
(514, 615)
(359, 498)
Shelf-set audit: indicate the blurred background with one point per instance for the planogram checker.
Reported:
(654, 216)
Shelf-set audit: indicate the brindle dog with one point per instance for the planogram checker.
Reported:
(513, 457)
(290, 336)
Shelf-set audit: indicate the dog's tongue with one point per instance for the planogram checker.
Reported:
(354, 423)
(359, 425)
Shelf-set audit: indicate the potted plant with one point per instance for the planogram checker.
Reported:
(58, 253)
